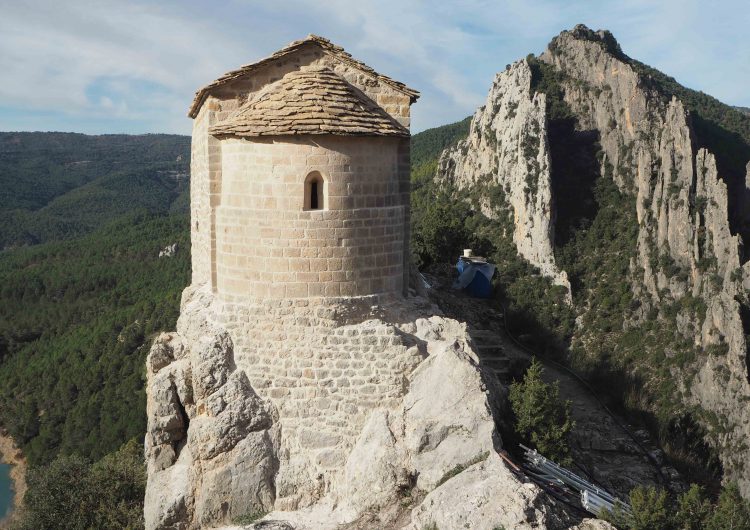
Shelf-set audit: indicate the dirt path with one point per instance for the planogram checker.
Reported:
(10, 454)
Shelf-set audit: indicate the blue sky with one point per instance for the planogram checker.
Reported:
(132, 67)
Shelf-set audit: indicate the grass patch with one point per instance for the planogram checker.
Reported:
(462, 467)
(249, 518)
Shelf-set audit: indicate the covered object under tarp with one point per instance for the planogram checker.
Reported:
(475, 276)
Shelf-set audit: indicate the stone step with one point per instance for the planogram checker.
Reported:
(502, 375)
(490, 349)
(498, 364)
(483, 334)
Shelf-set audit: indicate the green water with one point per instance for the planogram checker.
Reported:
(6, 492)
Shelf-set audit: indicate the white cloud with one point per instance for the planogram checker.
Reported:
(135, 65)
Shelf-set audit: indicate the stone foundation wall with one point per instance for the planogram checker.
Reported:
(325, 367)
(268, 246)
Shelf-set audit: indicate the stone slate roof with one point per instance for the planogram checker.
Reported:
(310, 101)
(326, 45)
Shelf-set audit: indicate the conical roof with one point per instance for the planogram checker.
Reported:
(310, 101)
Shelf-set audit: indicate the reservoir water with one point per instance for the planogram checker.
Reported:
(6, 491)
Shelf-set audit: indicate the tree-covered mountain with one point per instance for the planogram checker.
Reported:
(82, 293)
(60, 185)
(76, 321)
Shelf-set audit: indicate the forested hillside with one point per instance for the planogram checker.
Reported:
(60, 185)
(427, 146)
(82, 293)
(76, 319)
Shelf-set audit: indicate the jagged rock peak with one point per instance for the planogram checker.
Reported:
(583, 32)
(643, 131)
(506, 154)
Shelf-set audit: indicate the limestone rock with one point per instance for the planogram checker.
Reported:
(486, 496)
(375, 469)
(213, 363)
(241, 482)
(507, 150)
(231, 413)
(168, 500)
(689, 215)
(170, 250)
(210, 444)
(447, 416)
(683, 210)
(593, 524)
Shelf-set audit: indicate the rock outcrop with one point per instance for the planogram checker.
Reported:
(219, 448)
(486, 496)
(683, 213)
(507, 149)
(690, 215)
(211, 440)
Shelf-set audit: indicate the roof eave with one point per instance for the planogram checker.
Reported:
(231, 134)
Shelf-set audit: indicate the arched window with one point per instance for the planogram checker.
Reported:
(315, 192)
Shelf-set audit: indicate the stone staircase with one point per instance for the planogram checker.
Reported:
(489, 347)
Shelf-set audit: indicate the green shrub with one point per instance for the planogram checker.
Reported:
(248, 518)
(654, 509)
(650, 510)
(693, 509)
(439, 227)
(731, 512)
(541, 418)
(71, 493)
(461, 467)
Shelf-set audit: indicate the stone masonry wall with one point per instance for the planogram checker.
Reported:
(199, 209)
(269, 246)
(325, 365)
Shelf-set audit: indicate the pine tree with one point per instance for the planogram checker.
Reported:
(541, 418)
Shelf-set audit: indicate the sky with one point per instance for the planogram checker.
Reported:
(133, 66)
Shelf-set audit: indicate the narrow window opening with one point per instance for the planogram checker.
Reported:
(314, 192)
(314, 195)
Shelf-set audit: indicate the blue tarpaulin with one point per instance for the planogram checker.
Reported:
(475, 276)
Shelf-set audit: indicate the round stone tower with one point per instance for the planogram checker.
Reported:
(301, 178)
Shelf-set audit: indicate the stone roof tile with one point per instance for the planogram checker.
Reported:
(325, 44)
(310, 101)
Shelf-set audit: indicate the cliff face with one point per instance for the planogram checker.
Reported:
(606, 117)
(507, 149)
(227, 437)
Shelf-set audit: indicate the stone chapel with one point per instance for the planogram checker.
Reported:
(300, 178)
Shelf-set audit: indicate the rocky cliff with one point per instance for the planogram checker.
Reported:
(225, 444)
(553, 136)
(507, 150)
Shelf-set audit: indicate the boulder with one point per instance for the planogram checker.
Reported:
(486, 496)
